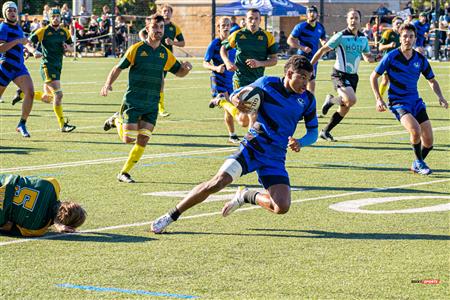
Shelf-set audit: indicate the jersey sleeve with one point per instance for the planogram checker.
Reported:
(3, 33)
(38, 35)
(172, 64)
(385, 37)
(210, 51)
(297, 31)
(366, 48)
(68, 37)
(335, 40)
(426, 71)
(178, 34)
(130, 56)
(230, 43)
(272, 46)
(383, 65)
(310, 115)
(323, 36)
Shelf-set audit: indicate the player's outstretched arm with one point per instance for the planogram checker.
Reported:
(5, 46)
(434, 84)
(322, 51)
(63, 228)
(185, 68)
(219, 69)
(380, 105)
(271, 61)
(113, 75)
(224, 54)
(6, 227)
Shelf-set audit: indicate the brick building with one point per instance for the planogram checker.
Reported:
(194, 18)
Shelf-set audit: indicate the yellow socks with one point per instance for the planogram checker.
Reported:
(119, 127)
(229, 107)
(59, 115)
(161, 102)
(134, 156)
(382, 89)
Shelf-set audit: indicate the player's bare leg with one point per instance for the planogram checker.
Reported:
(25, 83)
(345, 100)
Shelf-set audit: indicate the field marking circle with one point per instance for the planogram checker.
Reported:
(354, 206)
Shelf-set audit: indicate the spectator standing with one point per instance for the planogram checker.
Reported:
(66, 15)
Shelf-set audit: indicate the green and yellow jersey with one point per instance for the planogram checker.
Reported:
(173, 32)
(258, 45)
(388, 37)
(52, 41)
(29, 202)
(145, 78)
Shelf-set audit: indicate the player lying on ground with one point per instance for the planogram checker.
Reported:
(30, 205)
(285, 102)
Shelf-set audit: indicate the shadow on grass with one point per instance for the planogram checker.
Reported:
(19, 150)
(101, 237)
(319, 234)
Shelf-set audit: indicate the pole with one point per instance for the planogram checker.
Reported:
(321, 11)
(213, 20)
(113, 28)
(437, 47)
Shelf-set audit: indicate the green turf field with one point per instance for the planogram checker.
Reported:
(313, 252)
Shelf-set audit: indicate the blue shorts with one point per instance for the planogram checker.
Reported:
(314, 74)
(417, 110)
(218, 87)
(8, 74)
(270, 171)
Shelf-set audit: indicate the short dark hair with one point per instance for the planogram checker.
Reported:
(254, 10)
(157, 17)
(297, 63)
(356, 10)
(408, 26)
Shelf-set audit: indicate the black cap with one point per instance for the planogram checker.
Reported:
(312, 8)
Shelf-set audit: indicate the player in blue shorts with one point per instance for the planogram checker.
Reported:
(306, 37)
(404, 66)
(286, 101)
(222, 81)
(12, 66)
(422, 28)
(350, 44)
(221, 78)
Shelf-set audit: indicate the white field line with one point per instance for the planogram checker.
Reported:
(369, 135)
(113, 160)
(177, 154)
(87, 231)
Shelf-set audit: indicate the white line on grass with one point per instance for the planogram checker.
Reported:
(56, 236)
(113, 160)
(369, 135)
(177, 154)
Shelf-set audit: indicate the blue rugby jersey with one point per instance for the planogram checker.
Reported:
(309, 36)
(404, 75)
(278, 116)
(12, 60)
(224, 79)
(348, 50)
(421, 30)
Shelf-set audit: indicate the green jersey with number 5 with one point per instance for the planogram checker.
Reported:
(29, 202)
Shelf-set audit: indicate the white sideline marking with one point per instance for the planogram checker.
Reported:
(354, 206)
(369, 135)
(18, 241)
(120, 159)
(113, 160)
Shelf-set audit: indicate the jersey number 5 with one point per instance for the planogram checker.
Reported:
(26, 197)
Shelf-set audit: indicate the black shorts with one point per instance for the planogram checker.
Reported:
(342, 79)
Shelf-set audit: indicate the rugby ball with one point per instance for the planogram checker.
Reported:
(252, 97)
